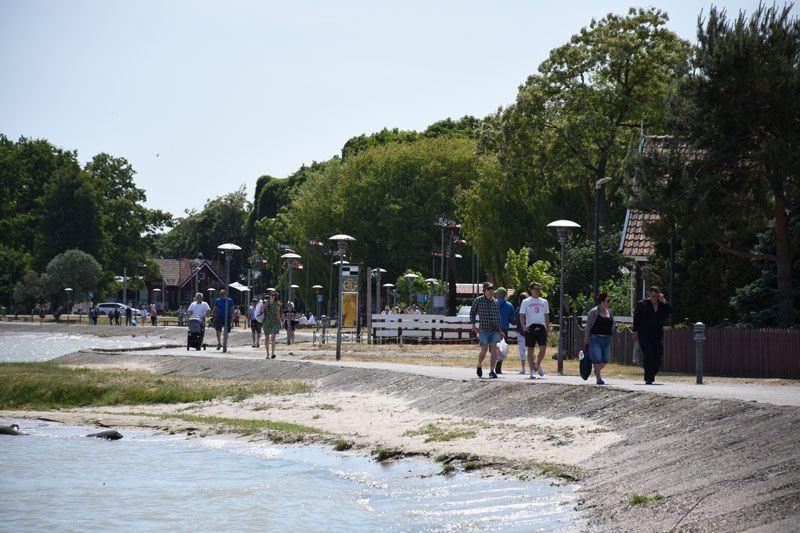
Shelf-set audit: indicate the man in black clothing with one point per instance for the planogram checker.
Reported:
(648, 329)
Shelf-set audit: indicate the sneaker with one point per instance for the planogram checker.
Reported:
(480, 371)
(533, 374)
(522, 371)
(601, 382)
(273, 356)
(219, 346)
(539, 369)
(492, 375)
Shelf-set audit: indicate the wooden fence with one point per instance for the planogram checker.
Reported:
(727, 352)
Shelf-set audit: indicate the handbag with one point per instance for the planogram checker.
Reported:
(585, 362)
(637, 353)
(502, 348)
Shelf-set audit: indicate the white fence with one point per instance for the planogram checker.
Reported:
(425, 328)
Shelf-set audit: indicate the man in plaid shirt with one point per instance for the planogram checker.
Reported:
(490, 333)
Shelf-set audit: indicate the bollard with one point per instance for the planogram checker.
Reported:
(699, 338)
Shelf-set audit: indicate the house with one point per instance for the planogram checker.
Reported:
(181, 279)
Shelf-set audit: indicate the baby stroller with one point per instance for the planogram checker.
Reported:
(194, 338)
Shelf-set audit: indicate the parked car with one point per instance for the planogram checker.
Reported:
(464, 311)
(106, 308)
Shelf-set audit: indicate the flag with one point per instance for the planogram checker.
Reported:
(298, 266)
(316, 243)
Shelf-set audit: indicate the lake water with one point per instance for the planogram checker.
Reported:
(34, 347)
(57, 479)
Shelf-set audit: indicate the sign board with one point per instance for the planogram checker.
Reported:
(319, 297)
(438, 304)
(349, 295)
(422, 297)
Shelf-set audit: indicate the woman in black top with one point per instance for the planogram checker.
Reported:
(600, 329)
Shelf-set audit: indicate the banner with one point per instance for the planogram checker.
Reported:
(349, 309)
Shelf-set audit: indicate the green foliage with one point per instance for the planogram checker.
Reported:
(735, 152)
(30, 290)
(74, 269)
(342, 445)
(384, 454)
(441, 433)
(637, 499)
(522, 272)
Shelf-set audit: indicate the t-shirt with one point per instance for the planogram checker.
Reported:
(534, 310)
(220, 305)
(506, 312)
(199, 310)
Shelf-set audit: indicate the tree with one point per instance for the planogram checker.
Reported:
(572, 122)
(734, 163)
(74, 269)
(29, 290)
(70, 215)
(522, 272)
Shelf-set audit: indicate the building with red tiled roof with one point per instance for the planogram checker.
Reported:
(182, 278)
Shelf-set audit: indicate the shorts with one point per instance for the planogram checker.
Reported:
(488, 337)
(600, 348)
(219, 323)
(255, 326)
(537, 334)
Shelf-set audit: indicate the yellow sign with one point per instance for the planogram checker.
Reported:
(349, 309)
(350, 284)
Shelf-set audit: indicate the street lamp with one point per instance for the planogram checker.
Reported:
(597, 186)
(317, 289)
(410, 277)
(341, 239)
(563, 227)
(388, 287)
(68, 290)
(431, 282)
(227, 249)
(291, 259)
(377, 273)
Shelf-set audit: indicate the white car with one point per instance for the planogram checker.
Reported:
(107, 307)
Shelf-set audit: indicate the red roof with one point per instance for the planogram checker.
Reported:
(635, 242)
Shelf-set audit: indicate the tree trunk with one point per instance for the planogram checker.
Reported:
(783, 254)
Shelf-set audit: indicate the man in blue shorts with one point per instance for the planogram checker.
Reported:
(489, 334)
(221, 305)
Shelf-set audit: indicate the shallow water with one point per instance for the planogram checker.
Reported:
(35, 347)
(56, 479)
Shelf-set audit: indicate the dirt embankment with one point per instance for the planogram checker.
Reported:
(720, 465)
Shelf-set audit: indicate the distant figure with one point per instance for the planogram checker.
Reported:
(489, 333)
(153, 315)
(143, 313)
(256, 317)
(386, 311)
(128, 314)
(600, 329)
(236, 314)
(303, 322)
(198, 308)
(534, 316)
(648, 329)
(181, 315)
(222, 306)
(271, 308)
(312, 321)
(41, 313)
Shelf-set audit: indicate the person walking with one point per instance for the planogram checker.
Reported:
(489, 333)
(534, 316)
(222, 306)
(153, 315)
(521, 334)
(648, 329)
(507, 317)
(271, 308)
(181, 315)
(128, 314)
(255, 325)
(600, 329)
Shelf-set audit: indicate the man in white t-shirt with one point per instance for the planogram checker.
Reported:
(534, 313)
(199, 308)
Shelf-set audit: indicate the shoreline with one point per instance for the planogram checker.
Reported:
(720, 465)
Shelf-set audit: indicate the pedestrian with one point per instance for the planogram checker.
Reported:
(489, 333)
(181, 315)
(128, 314)
(506, 319)
(41, 313)
(291, 321)
(600, 329)
(143, 314)
(198, 308)
(534, 314)
(256, 316)
(223, 306)
(236, 314)
(648, 329)
(386, 310)
(271, 308)
(153, 315)
(521, 334)
(312, 320)
(116, 316)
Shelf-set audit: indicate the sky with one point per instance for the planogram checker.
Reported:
(202, 97)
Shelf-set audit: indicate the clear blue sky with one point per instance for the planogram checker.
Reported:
(202, 97)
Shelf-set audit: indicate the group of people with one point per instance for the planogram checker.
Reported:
(533, 319)
(412, 310)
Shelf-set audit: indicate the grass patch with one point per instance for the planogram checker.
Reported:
(50, 385)
(342, 445)
(438, 433)
(473, 465)
(551, 470)
(242, 425)
(383, 454)
(447, 469)
(637, 499)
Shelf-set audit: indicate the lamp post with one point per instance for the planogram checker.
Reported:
(341, 239)
(597, 186)
(410, 277)
(317, 289)
(68, 290)
(563, 227)
(155, 299)
(377, 273)
(290, 258)
(388, 287)
(227, 249)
